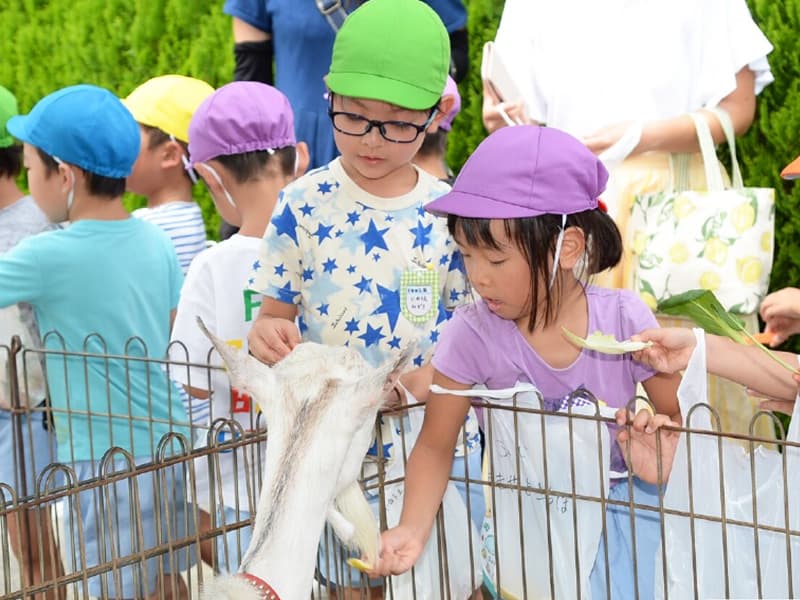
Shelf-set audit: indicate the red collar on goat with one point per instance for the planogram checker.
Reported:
(267, 593)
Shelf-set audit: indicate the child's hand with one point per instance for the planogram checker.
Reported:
(671, 350)
(400, 550)
(641, 433)
(272, 338)
(781, 312)
(496, 112)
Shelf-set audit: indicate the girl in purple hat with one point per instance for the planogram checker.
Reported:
(526, 215)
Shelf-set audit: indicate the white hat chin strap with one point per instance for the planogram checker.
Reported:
(71, 193)
(557, 253)
(216, 176)
(185, 161)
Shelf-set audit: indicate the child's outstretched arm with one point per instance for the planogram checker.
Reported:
(427, 472)
(274, 333)
(747, 365)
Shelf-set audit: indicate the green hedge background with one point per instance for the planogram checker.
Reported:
(45, 45)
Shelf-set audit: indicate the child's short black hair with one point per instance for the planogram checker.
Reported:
(156, 137)
(249, 165)
(434, 144)
(536, 239)
(97, 185)
(11, 161)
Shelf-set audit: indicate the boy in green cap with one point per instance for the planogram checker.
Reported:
(350, 256)
(28, 454)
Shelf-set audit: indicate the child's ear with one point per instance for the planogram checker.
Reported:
(171, 153)
(445, 105)
(572, 248)
(303, 159)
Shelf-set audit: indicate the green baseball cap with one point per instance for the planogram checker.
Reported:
(8, 109)
(397, 51)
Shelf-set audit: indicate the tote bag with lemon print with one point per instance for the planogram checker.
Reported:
(720, 239)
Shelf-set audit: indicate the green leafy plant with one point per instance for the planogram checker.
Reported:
(702, 307)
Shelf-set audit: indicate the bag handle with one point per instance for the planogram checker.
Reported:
(713, 176)
(730, 136)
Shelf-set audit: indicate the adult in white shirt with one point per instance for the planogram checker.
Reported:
(601, 70)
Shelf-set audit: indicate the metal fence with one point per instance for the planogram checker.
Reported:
(563, 519)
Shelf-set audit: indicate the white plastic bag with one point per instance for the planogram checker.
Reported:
(550, 528)
(722, 561)
(427, 581)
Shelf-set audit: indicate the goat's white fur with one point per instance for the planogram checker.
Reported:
(320, 405)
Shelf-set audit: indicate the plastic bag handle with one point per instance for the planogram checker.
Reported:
(607, 412)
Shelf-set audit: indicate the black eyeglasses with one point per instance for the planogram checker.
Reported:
(399, 132)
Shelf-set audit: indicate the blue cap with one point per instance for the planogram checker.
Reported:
(83, 125)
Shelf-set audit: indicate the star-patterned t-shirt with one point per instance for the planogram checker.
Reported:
(339, 254)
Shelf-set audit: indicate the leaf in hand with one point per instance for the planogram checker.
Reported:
(702, 307)
(605, 343)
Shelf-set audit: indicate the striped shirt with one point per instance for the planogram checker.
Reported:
(183, 223)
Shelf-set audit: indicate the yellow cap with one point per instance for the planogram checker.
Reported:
(168, 103)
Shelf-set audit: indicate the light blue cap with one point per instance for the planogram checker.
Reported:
(83, 125)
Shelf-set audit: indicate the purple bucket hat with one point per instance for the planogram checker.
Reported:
(239, 117)
(525, 171)
(451, 89)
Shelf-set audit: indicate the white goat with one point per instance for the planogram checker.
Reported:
(320, 405)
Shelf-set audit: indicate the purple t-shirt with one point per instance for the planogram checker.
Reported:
(478, 347)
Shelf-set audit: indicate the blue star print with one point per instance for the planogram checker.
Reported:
(390, 305)
(351, 269)
(351, 326)
(280, 270)
(373, 238)
(306, 209)
(352, 217)
(329, 265)
(418, 360)
(372, 336)
(324, 187)
(443, 261)
(363, 285)
(287, 294)
(434, 336)
(454, 295)
(308, 274)
(394, 342)
(444, 314)
(457, 264)
(376, 257)
(422, 234)
(323, 309)
(286, 224)
(301, 324)
(256, 266)
(323, 232)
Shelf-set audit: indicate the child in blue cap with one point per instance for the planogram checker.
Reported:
(26, 455)
(107, 285)
(526, 214)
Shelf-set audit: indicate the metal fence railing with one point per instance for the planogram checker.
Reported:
(563, 517)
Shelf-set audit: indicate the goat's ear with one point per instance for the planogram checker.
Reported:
(246, 372)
